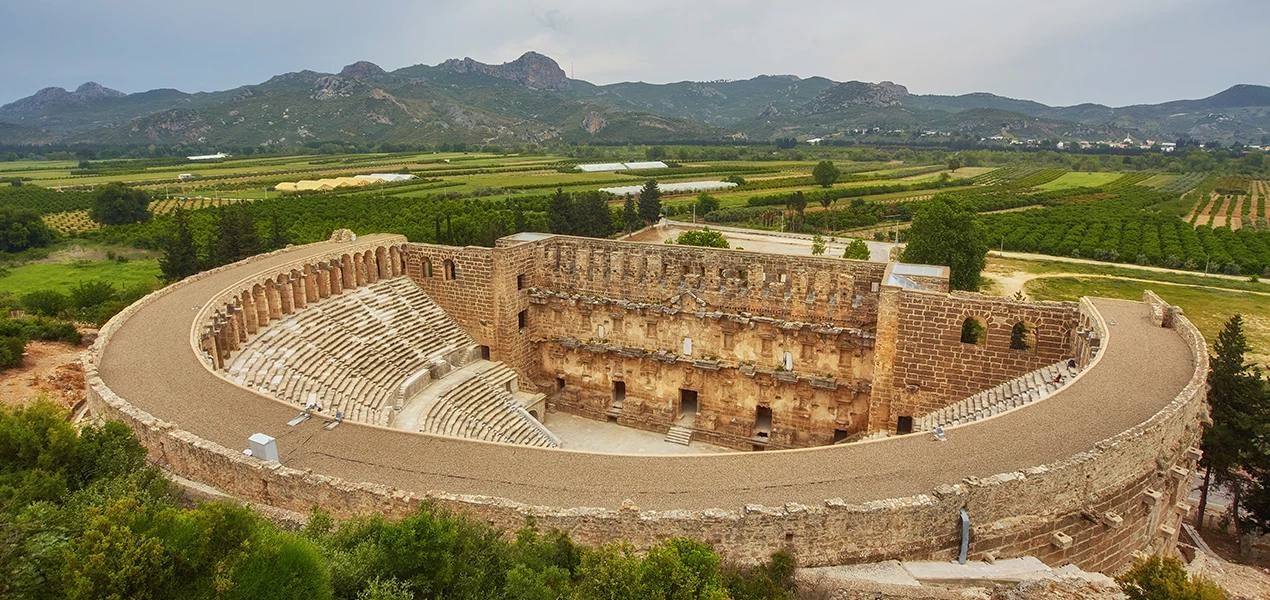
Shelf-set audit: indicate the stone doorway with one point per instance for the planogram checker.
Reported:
(687, 405)
(904, 425)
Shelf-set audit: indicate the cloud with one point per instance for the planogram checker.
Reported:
(1064, 51)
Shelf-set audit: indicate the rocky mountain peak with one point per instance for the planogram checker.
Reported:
(92, 89)
(361, 69)
(531, 70)
(858, 93)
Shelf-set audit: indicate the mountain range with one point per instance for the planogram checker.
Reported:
(531, 100)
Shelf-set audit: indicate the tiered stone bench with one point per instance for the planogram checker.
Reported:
(1012, 394)
(483, 406)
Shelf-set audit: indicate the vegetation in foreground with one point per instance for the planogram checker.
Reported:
(82, 516)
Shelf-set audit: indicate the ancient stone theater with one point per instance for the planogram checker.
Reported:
(856, 411)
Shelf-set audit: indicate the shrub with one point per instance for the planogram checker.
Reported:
(857, 250)
(11, 349)
(1165, 578)
(49, 303)
(707, 238)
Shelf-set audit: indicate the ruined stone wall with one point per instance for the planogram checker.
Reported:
(734, 363)
(926, 364)
(813, 289)
(461, 281)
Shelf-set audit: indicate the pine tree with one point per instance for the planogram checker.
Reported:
(180, 256)
(1234, 396)
(592, 216)
(630, 214)
(560, 213)
(650, 202)
(277, 235)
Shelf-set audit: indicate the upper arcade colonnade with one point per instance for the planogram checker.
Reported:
(149, 362)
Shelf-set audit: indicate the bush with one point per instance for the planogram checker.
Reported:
(707, 238)
(1165, 578)
(11, 349)
(857, 250)
(49, 303)
(40, 328)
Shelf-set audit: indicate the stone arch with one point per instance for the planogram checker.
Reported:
(451, 271)
(427, 267)
(974, 331)
(1023, 336)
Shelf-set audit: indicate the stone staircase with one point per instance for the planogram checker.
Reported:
(614, 410)
(1014, 393)
(679, 434)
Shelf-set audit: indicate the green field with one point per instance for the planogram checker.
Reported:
(1076, 179)
(63, 276)
(1207, 308)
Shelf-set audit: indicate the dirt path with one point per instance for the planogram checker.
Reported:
(1219, 220)
(51, 369)
(1237, 217)
(1014, 282)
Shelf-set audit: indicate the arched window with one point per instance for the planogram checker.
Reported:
(1022, 337)
(787, 361)
(427, 267)
(450, 272)
(973, 331)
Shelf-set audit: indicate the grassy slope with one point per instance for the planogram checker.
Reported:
(63, 276)
(1207, 308)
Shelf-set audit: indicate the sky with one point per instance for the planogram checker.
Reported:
(1059, 52)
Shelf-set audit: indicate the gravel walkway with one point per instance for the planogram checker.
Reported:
(150, 363)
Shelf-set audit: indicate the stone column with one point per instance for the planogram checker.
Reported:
(233, 325)
(311, 284)
(359, 272)
(336, 272)
(298, 297)
(250, 315)
(274, 299)
(262, 307)
(372, 267)
(346, 268)
(395, 255)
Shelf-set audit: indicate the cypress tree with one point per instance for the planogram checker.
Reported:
(180, 256)
(630, 214)
(1234, 396)
(560, 213)
(650, 202)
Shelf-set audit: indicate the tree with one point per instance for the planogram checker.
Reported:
(236, 235)
(856, 250)
(117, 204)
(560, 213)
(707, 238)
(825, 173)
(592, 215)
(630, 214)
(954, 163)
(655, 153)
(22, 229)
(277, 234)
(180, 256)
(817, 245)
(706, 204)
(650, 202)
(1234, 398)
(949, 234)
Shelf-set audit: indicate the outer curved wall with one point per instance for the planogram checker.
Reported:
(1138, 474)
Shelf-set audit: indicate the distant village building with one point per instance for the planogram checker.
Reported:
(815, 141)
(217, 156)
(186, 177)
